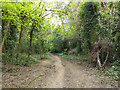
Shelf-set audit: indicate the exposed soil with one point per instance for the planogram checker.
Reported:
(56, 73)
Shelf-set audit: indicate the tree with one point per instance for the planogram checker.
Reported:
(89, 21)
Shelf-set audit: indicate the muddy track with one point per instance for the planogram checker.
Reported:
(55, 73)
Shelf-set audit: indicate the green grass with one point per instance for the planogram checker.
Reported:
(71, 57)
(82, 58)
(43, 56)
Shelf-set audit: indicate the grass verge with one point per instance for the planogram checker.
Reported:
(43, 56)
(71, 57)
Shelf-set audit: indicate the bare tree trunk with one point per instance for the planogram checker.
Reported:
(40, 48)
(105, 60)
(98, 60)
(33, 47)
(29, 50)
(5, 33)
(20, 35)
(45, 46)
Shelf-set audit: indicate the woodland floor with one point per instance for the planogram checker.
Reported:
(56, 73)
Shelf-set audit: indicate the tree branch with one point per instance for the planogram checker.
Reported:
(105, 59)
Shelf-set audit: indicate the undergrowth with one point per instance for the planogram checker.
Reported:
(6, 59)
(112, 72)
(21, 61)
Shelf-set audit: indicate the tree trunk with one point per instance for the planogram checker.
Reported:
(98, 60)
(20, 35)
(29, 50)
(45, 46)
(105, 60)
(40, 48)
(5, 33)
(33, 47)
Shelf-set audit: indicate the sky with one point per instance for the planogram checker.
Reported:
(66, 1)
(56, 20)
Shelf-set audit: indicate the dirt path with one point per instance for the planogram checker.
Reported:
(55, 73)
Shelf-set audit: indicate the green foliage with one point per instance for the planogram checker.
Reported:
(22, 60)
(6, 59)
(12, 69)
(116, 63)
(89, 21)
(26, 25)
